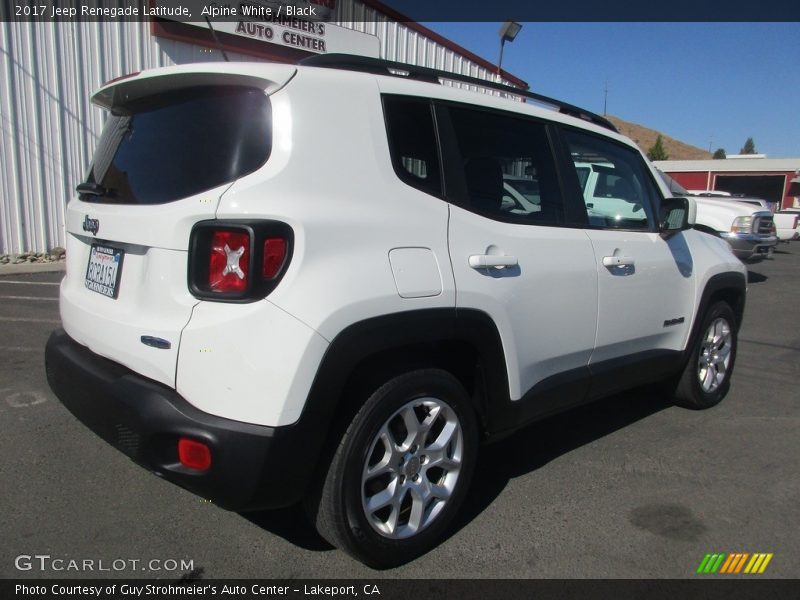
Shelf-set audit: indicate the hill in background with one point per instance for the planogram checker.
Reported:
(645, 138)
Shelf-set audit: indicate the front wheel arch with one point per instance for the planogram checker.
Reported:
(706, 377)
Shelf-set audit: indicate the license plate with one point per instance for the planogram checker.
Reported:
(104, 270)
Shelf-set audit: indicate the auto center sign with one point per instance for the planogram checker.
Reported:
(299, 25)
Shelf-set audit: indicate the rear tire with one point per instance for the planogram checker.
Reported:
(706, 378)
(401, 470)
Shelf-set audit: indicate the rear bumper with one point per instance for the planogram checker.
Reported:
(751, 245)
(253, 466)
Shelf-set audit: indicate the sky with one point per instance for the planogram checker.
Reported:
(706, 84)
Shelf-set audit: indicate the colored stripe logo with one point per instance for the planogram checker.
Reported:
(735, 563)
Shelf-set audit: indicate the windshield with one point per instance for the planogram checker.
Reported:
(179, 144)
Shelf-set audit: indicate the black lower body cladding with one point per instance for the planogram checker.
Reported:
(252, 466)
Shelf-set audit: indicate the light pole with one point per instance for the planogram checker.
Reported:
(508, 32)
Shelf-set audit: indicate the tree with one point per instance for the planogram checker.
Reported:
(720, 153)
(657, 151)
(749, 147)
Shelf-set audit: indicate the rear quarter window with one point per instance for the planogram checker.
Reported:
(412, 143)
(176, 145)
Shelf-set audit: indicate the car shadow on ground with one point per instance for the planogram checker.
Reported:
(753, 277)
(292, 525)
(525, 451)
(536, 445)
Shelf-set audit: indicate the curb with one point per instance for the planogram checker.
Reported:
(24, 268)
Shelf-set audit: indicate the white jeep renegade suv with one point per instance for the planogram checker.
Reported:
(302, 283)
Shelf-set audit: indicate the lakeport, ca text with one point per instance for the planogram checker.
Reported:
(197, 590)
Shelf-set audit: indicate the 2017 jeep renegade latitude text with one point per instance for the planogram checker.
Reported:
(295, 296)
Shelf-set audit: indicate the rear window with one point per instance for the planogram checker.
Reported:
(180, 144)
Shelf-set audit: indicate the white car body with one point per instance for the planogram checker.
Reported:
(709, 193)
(371, 259)
(787, 225)
(162, 306)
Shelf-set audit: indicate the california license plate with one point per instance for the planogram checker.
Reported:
(104, 270)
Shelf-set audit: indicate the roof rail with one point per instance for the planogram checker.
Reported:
(365, 64)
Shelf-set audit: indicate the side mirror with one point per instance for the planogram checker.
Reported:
(673, 216)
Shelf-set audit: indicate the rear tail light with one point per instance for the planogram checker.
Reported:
(229, 261)
(238, 261)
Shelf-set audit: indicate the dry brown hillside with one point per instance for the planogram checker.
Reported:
(645, 138)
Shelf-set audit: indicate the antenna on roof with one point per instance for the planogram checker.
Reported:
(216, 40)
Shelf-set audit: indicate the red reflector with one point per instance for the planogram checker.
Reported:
(194, 455)
(274, 255)
(229, 261)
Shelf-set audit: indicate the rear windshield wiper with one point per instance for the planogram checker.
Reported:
(91, 189)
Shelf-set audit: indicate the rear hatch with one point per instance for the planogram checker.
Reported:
(174, 141)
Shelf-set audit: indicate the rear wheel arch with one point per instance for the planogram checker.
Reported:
(400, 471)
(464, 343)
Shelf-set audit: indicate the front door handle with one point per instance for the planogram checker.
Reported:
(483, 261)
(617, 261)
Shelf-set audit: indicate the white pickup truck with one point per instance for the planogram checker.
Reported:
(745, 223)
(787, 224)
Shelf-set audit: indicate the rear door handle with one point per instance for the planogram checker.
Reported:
(483, 261)
(617, 261)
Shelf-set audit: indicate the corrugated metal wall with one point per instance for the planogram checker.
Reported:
(49, 129)
(403, 44)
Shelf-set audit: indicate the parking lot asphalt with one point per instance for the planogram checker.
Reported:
(629, 487)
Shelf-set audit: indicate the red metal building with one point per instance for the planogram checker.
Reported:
(773, 179)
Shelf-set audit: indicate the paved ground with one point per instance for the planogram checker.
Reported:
(630, 487)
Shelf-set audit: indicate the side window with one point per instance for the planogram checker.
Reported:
(617, 191)
(508, 167)
(412, 142)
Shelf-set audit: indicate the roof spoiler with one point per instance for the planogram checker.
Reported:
(124, 90)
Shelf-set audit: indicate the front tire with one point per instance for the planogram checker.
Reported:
(401, 470)
(706, 379)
